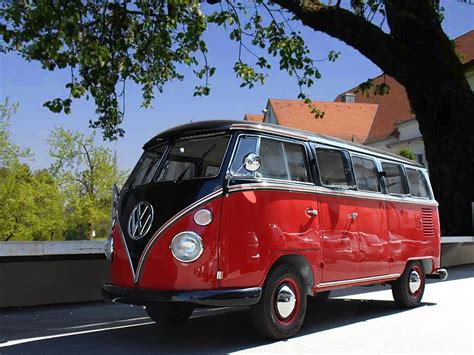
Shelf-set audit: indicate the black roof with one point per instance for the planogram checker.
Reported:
(203, 127)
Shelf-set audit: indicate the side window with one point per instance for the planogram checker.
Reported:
(417, 183)
(394, 179)
(366, 174)
(280, 160)
(334, 167)
(296, 160)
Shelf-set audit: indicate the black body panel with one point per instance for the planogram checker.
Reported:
(167, 199)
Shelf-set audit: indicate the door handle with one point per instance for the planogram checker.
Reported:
(353, 216)
(311, 212)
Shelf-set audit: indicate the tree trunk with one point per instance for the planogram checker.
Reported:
(445, 117)
(419, 55)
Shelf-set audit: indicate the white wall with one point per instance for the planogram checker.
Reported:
(470, 77)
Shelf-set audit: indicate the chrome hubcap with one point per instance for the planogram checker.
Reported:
(286, 301)
(414, 282)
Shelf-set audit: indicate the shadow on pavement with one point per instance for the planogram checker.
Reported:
(221, 333)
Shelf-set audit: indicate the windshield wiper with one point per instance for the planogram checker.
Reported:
(181, 176)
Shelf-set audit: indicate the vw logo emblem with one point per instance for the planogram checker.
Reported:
(140, 220)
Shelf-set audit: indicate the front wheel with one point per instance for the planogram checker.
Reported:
(280, 312)
(170, 313)
(408, 289)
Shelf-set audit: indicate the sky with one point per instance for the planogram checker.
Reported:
(30, 86)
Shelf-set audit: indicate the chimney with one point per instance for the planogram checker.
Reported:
(349, 98)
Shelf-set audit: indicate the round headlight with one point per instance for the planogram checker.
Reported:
(203, 217)
(187, 246)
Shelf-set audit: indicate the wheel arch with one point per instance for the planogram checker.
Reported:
(301, 264)
(426, 262)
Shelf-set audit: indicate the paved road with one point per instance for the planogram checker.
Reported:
(355, 320)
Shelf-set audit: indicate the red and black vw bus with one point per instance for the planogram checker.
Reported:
(227, 213)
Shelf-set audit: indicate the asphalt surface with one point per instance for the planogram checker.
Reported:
(363, 319)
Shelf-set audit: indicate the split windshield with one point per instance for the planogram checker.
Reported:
(186, 159)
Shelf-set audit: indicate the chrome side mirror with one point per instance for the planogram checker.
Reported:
(252, 162)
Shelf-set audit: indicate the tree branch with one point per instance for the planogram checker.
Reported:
(354, 30)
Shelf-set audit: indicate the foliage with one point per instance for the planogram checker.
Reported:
(10, 154)
(107, 43)
(66, 201)
(85, 171)
(31, 205)
(407, 153)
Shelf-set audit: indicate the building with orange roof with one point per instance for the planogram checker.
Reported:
(253, 118)
(297, 114)
(395, 126)
(382, 121)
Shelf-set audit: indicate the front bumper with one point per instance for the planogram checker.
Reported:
(214, 298)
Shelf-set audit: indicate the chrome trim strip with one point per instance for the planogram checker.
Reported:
(363, 279)
(167, 225)
(326, 191)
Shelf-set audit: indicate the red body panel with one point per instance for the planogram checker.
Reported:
(339, 237)
(406, 238)
(253, 229)
(373, 238)
(120, 272)
(257, 227)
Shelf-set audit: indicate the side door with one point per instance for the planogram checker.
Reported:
(338, 215)
(267, 213)
(373, 229)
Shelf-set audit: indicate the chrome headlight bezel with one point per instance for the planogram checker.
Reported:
(196, 238)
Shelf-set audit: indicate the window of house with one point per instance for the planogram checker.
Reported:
(334, 167)
(417, 182)
(366, 174)
(280, 160)
(394, 179)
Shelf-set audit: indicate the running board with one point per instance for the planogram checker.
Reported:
(388, 277)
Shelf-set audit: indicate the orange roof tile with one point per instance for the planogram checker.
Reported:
(395, 107)
(253, 117)
(465, 47)
(342, 120)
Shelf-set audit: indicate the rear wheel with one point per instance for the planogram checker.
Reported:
(408, 289)
(280, 312)
(170, 314)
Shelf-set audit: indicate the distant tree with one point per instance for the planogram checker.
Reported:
(407, 153)
(85, 171)
(31, 204)
(10, 153)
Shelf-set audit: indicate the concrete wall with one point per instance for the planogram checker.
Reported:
(457, 251)
(37, 273)
(47, 280)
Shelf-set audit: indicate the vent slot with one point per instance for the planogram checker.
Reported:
(427, 222)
